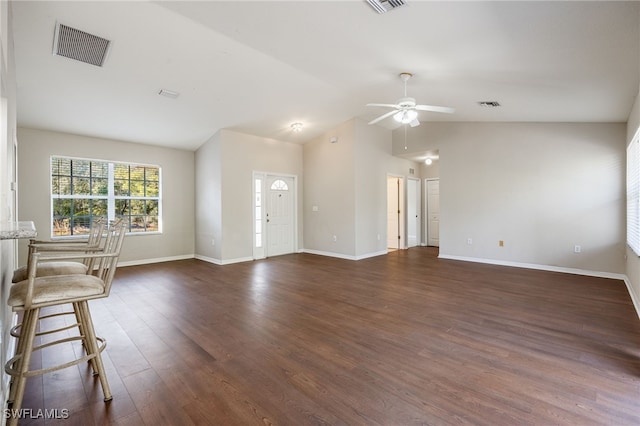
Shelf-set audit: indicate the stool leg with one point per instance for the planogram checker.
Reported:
(26, 319)
(27, 334)
(93, 349)
(76, 311)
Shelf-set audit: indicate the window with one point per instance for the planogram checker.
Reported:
(279, 185)
(84, 190)
(258, 212)
(633, 195)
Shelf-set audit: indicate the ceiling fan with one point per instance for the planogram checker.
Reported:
(406, 110)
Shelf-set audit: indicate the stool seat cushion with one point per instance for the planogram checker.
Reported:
(50, 268)
(56, 288)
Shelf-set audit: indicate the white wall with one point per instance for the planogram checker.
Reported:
(431, 171)
(347, 182)
(35, 148)
(230, 223)
(540, 187)
(330, 185)
(208, 202)
(7, 175)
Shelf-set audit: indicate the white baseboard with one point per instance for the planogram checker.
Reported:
(344, 256)
(634, 297)
(329, 254)
(223, 262)
(550, 268)
(155, 260)
(374, 254)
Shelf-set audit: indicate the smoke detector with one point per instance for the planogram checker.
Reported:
(383, 6)
(79, 45)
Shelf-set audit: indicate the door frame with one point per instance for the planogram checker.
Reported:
(426, 208)
(261, 252)
(418, 206)
(402, 205)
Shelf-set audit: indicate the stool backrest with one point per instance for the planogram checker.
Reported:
(95, 237)
(112, 247)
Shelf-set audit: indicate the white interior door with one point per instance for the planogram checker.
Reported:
(392, 213)
(395, 215)
(433, 212)
(413, 212)
(280, 223)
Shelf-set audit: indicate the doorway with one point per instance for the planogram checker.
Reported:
(413, 212)
(433, 212)
(275, 200)
(395, 212)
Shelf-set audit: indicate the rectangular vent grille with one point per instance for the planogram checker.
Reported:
(79, 45)
(382, 6)
(489, 104)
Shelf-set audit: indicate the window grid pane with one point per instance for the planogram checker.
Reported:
(258, 212)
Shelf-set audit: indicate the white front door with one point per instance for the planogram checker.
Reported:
(413, 212)
(433, 212)
(279, 215)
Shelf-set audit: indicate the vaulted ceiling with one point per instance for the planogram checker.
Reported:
(259, 66)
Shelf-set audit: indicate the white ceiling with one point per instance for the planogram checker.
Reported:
(256, 67)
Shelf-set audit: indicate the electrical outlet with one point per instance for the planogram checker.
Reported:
(469, 241)
(577, 249)
(501, 243)
(335, 238)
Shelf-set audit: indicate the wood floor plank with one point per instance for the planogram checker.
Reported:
(402, 339)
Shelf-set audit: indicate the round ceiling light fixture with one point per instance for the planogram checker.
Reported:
(296, 127)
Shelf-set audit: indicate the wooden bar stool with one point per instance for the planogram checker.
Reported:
(35, 293)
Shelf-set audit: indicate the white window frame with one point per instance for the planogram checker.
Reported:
(110, 197)
(633, 193)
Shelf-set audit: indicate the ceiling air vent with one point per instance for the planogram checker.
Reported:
(489, 104)
(79, 45)
(382, 6)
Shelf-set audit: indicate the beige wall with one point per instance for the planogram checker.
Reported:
(35, 148)
(236, 156)
(540, 187)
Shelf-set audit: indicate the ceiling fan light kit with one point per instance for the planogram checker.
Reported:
(405, 116)
(406, 110)
(383, 6)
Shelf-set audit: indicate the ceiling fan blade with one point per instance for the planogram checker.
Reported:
(385, 105)
(414, 122)
(433, 108)
(382, 117)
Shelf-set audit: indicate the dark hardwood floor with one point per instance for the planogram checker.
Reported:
(402, 339)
